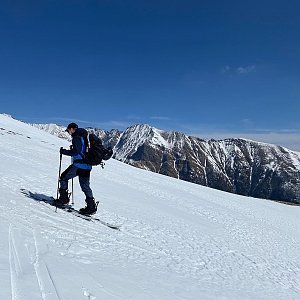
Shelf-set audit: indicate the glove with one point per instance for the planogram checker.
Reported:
(62, 150)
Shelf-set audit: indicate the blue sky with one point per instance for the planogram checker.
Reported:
(214, 69)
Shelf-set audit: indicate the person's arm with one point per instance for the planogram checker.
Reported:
(76, 147)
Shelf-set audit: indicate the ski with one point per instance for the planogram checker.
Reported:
(88, 217)
(67, 208)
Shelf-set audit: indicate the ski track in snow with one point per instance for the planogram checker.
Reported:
(30, 275)
(177, 240)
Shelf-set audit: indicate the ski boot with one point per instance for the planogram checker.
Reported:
(91, 207)
(63, 199)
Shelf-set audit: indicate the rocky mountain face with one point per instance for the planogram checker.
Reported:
(234, 165)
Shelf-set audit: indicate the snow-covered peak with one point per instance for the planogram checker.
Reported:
(137, 135)
(6, 115)
(54, 129)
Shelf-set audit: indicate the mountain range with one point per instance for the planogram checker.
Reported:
(238, 166)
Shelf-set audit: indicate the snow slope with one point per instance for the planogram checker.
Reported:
(177, 241)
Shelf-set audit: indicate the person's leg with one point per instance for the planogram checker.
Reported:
(68, 174)
(84, 181)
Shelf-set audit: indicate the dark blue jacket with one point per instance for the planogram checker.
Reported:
(79, 146)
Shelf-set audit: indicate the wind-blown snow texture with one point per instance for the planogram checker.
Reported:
(178, 240)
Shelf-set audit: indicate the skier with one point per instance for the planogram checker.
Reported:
(77, 168)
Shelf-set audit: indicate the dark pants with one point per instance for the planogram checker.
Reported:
(84, 179)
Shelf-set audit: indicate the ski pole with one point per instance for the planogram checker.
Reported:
(59, 170)
(72, 192)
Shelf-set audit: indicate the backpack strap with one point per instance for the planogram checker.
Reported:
(88, 140)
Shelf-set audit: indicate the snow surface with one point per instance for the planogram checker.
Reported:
(177, 241)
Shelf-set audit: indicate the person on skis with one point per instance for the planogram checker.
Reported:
(77, 168)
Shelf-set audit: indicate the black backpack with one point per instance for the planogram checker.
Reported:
(96, 151)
